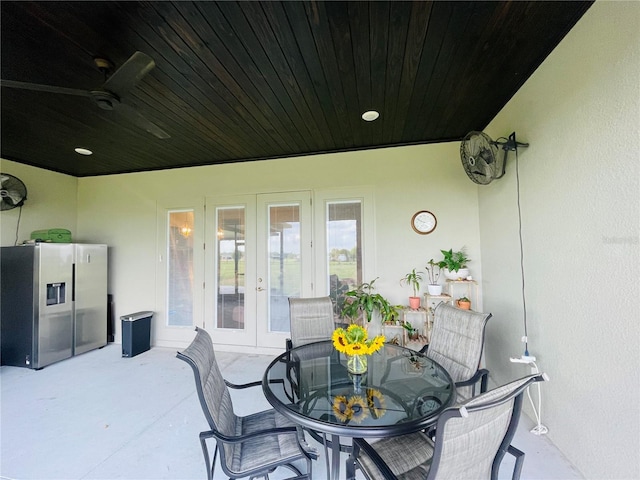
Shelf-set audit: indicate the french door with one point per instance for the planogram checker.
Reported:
(258, 254)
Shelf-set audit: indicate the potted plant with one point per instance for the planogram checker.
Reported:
(464, 303)
(413, 279)
(454, 264)
(394, 315)
(412, 333)
(433, 272)
(362, 302)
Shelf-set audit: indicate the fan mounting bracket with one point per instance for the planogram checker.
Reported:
(510, 144)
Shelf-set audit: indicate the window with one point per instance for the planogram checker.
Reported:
(344, 249)
(180, 268)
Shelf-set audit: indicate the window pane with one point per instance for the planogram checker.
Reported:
(344, 245)
(285, 267)
(180, 266)
(230, 226)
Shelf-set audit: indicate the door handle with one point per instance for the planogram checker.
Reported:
(260, 289)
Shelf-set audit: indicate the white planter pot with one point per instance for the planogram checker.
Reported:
(434, 289)
(460, 274)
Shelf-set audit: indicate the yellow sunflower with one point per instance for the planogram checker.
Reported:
(376, 344)
(356, 349)
(358, 408)
(340, 341)
(376, 403)
(342, 408)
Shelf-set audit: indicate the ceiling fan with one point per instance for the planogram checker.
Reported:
(110, 94)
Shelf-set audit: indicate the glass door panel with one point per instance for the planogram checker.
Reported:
(285, 267)
(284, 262)
(231, 267)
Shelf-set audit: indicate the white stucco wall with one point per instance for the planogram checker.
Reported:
(51, 203)
(580, 196)
(120, 210)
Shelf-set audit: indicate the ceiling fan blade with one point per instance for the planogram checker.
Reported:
(44, 88)
(137, 119)
(129, 74)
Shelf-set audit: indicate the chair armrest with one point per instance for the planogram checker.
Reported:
(242, 385)
(424, 349)
(308, 450)
(288, 344)
(384, 469)
(482, 376)
(243, 438)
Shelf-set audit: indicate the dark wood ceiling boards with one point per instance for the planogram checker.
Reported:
(238, 81)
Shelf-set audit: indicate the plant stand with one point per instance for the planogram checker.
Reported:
(393, 333)
(418, 320)
(465, 288)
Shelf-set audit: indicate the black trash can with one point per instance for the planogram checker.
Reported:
(136, 333)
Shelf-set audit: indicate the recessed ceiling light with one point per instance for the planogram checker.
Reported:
(370, 116)
(83, 151)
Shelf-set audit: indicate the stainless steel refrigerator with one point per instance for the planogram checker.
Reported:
(53, 302)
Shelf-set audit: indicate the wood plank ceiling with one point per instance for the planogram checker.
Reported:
(238, 81)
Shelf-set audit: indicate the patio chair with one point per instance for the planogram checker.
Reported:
(250, 446)
(311, 320)
(457, 340)
(472, 440)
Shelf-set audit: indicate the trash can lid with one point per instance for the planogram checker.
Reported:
(136, 316)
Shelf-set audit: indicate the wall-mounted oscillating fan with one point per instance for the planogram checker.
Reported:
(13, 192)
(481, 159)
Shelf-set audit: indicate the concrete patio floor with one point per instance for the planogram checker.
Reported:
(101, 416)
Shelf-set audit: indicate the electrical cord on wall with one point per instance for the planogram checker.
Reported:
(524, 298)
(18, 226)
(539, 429)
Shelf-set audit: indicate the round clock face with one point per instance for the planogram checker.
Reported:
(424, 222)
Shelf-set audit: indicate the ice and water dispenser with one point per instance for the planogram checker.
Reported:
(56, 293)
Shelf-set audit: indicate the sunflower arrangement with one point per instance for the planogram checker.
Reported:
(350, 409)
(355, 408)
(354, 341)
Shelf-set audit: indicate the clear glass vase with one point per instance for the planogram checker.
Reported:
(357, 364)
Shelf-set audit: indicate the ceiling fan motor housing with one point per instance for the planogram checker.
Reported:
(104, 99)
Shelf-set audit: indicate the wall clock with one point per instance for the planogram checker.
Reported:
(424, 222)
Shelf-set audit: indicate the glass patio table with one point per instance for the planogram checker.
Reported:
(401, 392)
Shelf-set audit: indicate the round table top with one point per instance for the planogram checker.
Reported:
(402, 391)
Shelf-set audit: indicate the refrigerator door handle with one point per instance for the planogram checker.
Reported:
(73, 282)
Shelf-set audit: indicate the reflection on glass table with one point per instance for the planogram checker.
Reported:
(402, 392)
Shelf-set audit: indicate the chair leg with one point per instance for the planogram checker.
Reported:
(351, 463)
(210, 466)
(519, 455)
